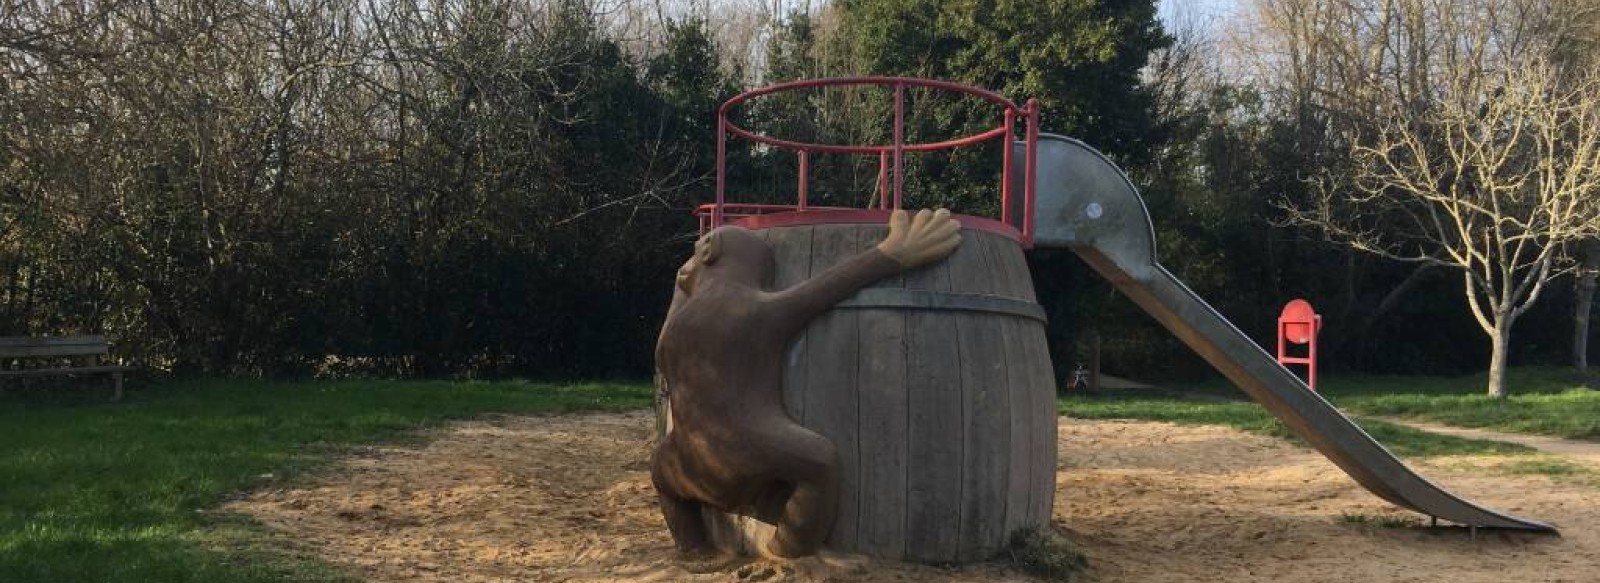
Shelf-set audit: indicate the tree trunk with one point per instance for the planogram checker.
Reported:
(1584, 304)
(1500, 339)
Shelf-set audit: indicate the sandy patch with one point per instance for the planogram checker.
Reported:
(568, 499)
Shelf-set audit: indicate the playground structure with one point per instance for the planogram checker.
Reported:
(935, 387)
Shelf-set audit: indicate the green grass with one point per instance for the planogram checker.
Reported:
(1547, 465)
(1558, 469)
(1124, 404)
(1044, 554)
(1542, 400)
(120, 492)
(1546, 401)
(1381, 520)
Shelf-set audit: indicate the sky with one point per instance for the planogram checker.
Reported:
(1205, 9)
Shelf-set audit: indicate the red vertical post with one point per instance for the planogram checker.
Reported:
(899, 140)
(883, 179)
(805, 171)
(1005, 166)
(1300, 324)
(722, 170)
(1031, 159)
(1311, 367)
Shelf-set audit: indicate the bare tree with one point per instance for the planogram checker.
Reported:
(1493, 178)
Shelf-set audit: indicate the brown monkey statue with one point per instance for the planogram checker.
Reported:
(730, 445)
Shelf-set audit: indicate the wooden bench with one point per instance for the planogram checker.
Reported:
(83, 353)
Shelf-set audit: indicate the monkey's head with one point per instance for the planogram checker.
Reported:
(731, 254)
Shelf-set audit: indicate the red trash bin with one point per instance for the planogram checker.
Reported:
(1299, 324)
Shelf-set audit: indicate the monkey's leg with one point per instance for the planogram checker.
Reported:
(682, 514)
(686, 525)
(807, 519)
(690, 536)
(811, 465)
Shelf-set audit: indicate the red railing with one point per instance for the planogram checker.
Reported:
(891, 176)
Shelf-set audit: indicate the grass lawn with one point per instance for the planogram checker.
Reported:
(1246, 415)
(123, 492)
(1541, 400)
(1547, 401)
(118, 492)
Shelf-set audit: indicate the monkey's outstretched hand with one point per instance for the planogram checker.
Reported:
(920, 240)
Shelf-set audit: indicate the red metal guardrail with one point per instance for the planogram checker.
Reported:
(891, 177)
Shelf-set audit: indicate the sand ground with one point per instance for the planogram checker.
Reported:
(568, 499)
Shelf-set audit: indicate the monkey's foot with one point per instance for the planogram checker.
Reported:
(764, 570)
(825, 565)
(774, 548)
(706, 560)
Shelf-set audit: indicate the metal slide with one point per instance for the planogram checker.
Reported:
(1086, 204)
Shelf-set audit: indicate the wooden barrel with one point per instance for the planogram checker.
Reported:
(937, 391)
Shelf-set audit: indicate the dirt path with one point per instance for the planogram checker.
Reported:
(568, 499)
(1585, 451)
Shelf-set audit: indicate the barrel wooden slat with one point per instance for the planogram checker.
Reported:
(1017, 376)
(882, 449)
(1045, 434)
(985, 462)
(986, 472)
(1030, 366)
(933, 465)
(1041, 401)
(883, 417)
(831, 400)
(1018, 478)
(791, 249)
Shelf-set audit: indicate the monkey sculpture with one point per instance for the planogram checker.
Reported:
(730, 445)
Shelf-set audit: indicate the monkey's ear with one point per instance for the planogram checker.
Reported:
(709, 248)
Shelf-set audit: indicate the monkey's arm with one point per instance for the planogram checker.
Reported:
(912, 241)
(799, 304)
